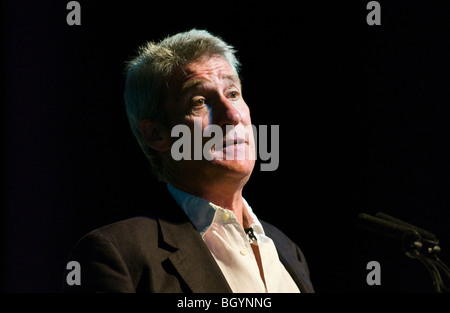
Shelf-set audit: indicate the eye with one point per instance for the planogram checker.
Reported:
(199, 102)
(233, 95)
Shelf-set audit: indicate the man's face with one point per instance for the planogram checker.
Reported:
(210, 94)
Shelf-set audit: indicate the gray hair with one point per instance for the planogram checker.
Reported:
(149, 73)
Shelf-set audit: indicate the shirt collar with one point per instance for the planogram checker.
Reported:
(202, 212)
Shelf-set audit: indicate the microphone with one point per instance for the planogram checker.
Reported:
(389, 229)
(412, 236)
(417, 243)
(251, 236)
(424, 233)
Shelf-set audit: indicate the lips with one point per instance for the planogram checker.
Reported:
(229, 143)
(234, 142)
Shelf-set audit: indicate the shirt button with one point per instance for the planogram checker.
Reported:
(243, 252)
(226, 216)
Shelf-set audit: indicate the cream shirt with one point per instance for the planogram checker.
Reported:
(231, 247)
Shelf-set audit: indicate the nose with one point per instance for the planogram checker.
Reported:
(225, 113)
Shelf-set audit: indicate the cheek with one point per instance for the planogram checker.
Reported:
(244, 111)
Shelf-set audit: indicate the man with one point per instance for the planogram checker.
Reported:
(202, 236)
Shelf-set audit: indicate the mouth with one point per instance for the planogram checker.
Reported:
(228, 143)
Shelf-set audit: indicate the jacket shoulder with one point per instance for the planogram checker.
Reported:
(112, 257)
(129, 229)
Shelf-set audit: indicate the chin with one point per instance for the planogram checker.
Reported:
(235, 167)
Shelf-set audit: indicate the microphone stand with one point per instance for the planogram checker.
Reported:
(417, 244)
(428, 256)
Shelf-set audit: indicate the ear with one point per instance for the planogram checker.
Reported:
(156, 136)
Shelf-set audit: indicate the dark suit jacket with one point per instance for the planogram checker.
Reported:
(164, 253)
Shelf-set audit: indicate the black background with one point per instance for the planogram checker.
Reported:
(363, 114)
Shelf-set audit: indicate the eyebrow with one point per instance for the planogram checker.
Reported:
(191, 84)
(234, 78)
(195, 82)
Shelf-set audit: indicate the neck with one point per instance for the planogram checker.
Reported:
(224, 196)
(212, 183)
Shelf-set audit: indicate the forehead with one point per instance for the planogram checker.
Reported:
(214, 64)
(207, 69)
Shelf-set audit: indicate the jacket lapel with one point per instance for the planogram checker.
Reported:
(298, 277)
(289, 256)
(191, 257)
